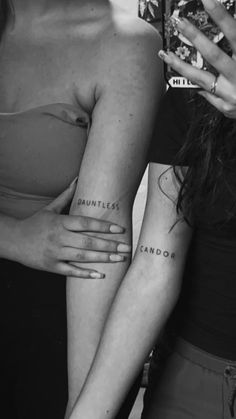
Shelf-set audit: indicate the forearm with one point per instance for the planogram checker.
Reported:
(139, 312)
(88, 304)
(9, 243)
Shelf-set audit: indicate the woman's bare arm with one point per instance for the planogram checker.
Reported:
(49, 240)
(127, 94)
(143, 303)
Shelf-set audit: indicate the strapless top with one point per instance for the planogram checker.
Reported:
(41, 150)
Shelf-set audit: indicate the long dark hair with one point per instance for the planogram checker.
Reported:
(6, 10)
(210, 150)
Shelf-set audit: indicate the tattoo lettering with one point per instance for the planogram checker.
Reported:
(114, 206)
(157, 252)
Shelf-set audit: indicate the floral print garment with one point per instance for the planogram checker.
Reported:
(149, 10)
(192, 10)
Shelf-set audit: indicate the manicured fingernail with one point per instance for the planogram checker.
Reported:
(116, 258)
(97, 275)
(179, 22)
(175, 20)
(122, 247)
(114, 228)
(74, 181)
(162, 54)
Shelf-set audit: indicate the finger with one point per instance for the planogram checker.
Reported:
(84, 241)
(68, 269)
(81, 223)
(87, 256)
(209, 50)
(201, 78)
(223, 19)
(214, 100)
(224, 107)
(64, 199)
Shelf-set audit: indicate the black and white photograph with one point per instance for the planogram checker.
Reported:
(118, 209)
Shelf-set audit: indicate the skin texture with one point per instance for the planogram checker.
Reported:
(30, 48)
(116, 76)
(224, 98)
(47, 240)
(127, 74)
(143, 302)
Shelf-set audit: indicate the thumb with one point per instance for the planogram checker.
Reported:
(64, 199)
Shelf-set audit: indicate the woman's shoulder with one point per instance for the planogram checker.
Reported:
(126, 30)
(107, 49)
(130, 45)
(114, 25)
(117, 38)
(127, 46)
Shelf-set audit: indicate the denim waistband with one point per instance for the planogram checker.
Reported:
(203, 358)
(224, 367)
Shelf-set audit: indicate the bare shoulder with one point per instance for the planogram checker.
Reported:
(129, 50)
(120, 54)
(129, 33)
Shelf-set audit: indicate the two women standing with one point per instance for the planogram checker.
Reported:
(76, 87)
(93, 118)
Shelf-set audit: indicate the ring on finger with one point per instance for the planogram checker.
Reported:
(214, 85)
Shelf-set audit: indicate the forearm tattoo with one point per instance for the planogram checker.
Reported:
(113, 206)
(157, 252)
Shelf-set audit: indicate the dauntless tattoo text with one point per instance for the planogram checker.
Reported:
(114, 206)
(157, 252)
